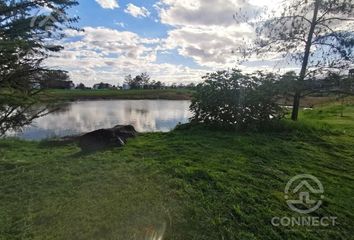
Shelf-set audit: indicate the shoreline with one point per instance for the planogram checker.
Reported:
(57, 95)
(87, 95)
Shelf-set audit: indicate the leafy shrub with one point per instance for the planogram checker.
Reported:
(231, 98)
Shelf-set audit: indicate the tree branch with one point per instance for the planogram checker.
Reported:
(336, 18)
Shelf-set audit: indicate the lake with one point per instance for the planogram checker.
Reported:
(81, 117)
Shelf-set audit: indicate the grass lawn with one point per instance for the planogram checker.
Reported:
(168, 94)
(165, 94)
(194, 184)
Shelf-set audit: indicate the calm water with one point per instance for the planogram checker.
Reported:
(81, 117)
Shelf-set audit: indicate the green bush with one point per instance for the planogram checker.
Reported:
(234, 99)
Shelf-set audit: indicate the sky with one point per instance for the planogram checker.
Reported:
(174, 41)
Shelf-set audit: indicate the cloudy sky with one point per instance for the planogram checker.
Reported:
(173, 40)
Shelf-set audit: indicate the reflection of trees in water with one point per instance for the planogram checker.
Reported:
(141, 119)
(79, 117)
(142, 112)
(60, 108)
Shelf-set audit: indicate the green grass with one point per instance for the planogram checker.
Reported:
(70, 95)
(198, 183)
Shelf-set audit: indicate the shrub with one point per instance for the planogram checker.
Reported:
(234, 99)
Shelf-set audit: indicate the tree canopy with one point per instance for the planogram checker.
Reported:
(316, 34)
(29, 32)
(237, 100)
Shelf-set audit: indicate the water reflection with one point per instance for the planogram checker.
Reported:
(80, 117)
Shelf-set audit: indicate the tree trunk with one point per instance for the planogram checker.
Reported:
(296, 106)
(305, 62)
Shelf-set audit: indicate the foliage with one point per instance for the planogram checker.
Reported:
(143, 81)
(81, 86)
(17, 109)
(138, 82)
(331, 40)
(27, 38)
(230, 98)
(317, 34)
(54, 79)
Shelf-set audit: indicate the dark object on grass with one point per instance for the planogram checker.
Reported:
(105, 138)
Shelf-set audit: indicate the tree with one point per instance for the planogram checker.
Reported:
(128, 80)
(232, 99)
(340, 85)
(26, 40)
(190, 86)
(134, 83)
(81, 86)
(145, 79)
(55, 79)
(317, 34)
(158, 85)
(140, 81)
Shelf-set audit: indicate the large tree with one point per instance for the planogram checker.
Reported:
(29, 32)
(316, 34)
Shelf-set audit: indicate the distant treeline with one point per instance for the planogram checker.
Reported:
(57, 79)
(143, 81)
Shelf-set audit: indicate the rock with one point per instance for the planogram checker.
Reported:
(104, 138)
(124, 131)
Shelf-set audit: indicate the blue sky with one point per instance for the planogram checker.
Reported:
(173, 40)
(92, 14)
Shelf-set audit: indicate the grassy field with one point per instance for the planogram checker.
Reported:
(194, 184)
(71, 95)
(165, 94)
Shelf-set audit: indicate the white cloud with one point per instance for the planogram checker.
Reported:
(205, 30)
(108, 42)
(120, 24)
(136, 11)
(208, 46)
(109, 4)
(203, 12)
(103, 54)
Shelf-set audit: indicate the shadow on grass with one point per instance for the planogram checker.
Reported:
(4, 145)
(84, 153)
(73, 142)
(55, 143)
(285, 130)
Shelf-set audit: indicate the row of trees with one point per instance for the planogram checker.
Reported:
(143, 81)
(139, 82)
